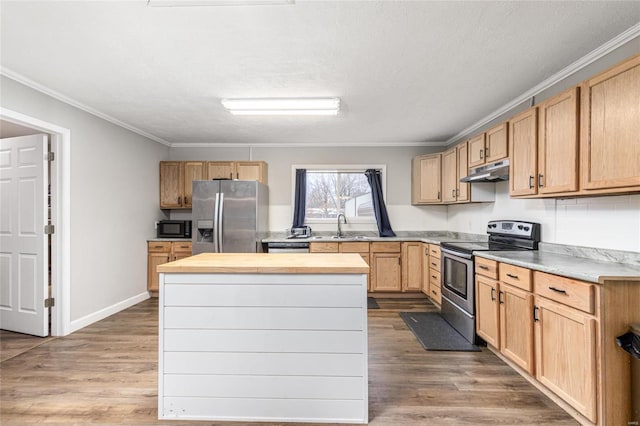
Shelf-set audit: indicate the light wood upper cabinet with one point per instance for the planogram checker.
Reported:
(523, 147)
(476, 150)
(171, 184)
(193, 170)
(566, 354)
(449, 173)
(411, 266)
(610, 138)
(425, 179)
(252, 170)
(220, 170)
(489, 146)
(454, 168)
(558, 143)
(463, 190)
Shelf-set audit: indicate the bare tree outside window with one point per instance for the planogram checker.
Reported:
(330, 193)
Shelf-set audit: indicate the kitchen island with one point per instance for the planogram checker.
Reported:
(264, 337)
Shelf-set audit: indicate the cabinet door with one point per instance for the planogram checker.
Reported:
(558, 144)
(425, 268)
(411, 266)
(516, 326)
(193, 170)
(426, 179)
(523, 149)
(487, 311)
(609, 145)
(220, 170)
(171, 184)
(386, 272)
(565, 354)
(449, 173)
(476, 151)
(251, 170)
(496, 143)
(462, 194)
(153, 260)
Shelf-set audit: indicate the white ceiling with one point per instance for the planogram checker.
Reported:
(407, 71)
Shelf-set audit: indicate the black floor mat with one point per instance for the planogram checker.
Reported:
(435, 334)
(372, 304)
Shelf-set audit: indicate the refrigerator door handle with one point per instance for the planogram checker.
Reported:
(220, 239)
(216, 224)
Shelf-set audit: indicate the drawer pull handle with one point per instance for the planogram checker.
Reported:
(500, 299)
(486, 268)
(157, 246)
(433, 264)
(434, 292)
(515, 277)
(433, 276)
(557, 290)
(535, 314)
(493, 294)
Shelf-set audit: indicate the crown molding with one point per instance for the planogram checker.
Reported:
(308, 145)
(59, 96)
(608, 47)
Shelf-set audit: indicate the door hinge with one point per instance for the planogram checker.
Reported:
(50, 302)
(49, 156)
(49, 229)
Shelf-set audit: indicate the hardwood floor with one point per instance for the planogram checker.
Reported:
(13, 344)
(107, 374)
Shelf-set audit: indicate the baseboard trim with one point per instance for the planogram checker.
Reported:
(108, 311)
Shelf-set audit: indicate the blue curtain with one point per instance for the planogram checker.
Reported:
(379, 208)
(299, 206)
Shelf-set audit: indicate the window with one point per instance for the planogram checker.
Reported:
(332, 190)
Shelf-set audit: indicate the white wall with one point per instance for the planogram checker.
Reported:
(605, 222)
(114, 201)
(402, 214)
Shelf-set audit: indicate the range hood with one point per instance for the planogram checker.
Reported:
(493, 172)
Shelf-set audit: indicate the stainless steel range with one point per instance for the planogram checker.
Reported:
(458, 281)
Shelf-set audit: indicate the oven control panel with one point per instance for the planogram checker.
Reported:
(514, 228)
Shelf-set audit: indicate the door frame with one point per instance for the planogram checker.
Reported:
(60, 216)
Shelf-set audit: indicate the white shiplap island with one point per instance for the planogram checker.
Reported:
(264, 337)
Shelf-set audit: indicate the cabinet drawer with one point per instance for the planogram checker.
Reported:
(182, 247)
(435, 295)
(434, 250)
(577, 294)
(515, 276)
(159, 246)
(434, 263)
(358, 247)
(487, 267)
(434, 278)
(323, 247)
(392, 247)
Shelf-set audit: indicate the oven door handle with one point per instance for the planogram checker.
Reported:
(456, 253)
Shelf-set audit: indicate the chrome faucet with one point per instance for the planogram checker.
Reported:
(339, 233)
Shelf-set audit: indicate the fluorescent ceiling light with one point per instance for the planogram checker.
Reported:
(185, 3)
(283, 106)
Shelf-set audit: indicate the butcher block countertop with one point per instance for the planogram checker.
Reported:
(274, 263)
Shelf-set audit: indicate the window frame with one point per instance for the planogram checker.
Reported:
(353, 168)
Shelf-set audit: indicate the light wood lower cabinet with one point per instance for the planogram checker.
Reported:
(411, 266)
(504, 319)
(565, 354)
(425, 269)
(561, 332)
(160, 252)
(434, 274)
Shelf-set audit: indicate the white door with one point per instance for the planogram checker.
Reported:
(24, 247)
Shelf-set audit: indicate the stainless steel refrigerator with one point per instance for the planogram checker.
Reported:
(229, 216)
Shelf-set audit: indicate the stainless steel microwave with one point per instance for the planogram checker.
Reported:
(174, 229)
